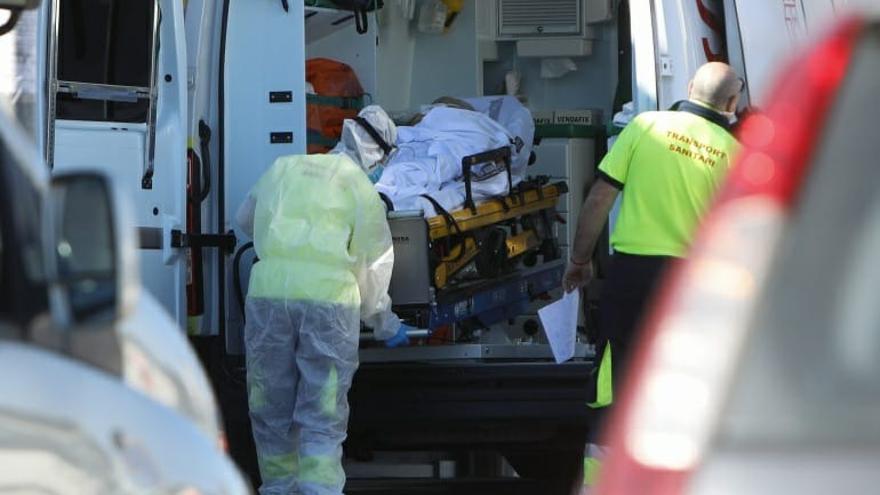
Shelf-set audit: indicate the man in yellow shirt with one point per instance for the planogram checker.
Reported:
(667, 165)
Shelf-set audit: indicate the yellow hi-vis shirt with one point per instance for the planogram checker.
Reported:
(669, 166)
(320, 232)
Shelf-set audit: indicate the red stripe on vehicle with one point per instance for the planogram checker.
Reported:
(709, 17)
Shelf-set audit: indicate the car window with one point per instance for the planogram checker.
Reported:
(809, 372)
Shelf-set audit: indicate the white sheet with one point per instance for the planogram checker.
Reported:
(428, 159)
(560, 324)
(509, 112)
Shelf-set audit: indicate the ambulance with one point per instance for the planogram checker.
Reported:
(185, 103)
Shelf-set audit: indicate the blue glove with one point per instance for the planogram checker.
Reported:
(400, 339)
(376, 174)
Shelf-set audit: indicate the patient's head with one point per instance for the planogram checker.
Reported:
(449, 101)
(443, 101)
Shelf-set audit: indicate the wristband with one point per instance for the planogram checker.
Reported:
(575, 263)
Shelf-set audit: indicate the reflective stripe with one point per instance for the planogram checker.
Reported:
(591, 470)
(330, 392)
(275, 467)
(593, 459)
(321, 470)
(604, 381)
(256, 389)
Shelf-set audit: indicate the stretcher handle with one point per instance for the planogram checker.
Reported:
(500, 154)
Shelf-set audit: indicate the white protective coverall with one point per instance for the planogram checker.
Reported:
(321, 234)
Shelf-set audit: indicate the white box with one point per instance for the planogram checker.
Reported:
(598, 11)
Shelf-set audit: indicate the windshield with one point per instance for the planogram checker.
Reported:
(810, 374)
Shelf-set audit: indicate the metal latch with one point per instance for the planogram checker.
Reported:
(226, 242)
(666, 69)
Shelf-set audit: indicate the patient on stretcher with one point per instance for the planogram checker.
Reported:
(428, 160)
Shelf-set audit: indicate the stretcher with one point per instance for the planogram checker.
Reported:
(483, 262)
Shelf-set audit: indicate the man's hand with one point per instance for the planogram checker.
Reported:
(577, 275)
(592, 219)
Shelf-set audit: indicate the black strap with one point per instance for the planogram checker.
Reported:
(389, 206)
(700, 111)
(386, 148)
(518, 143)
(450, 221)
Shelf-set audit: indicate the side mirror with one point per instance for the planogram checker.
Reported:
(94, 250)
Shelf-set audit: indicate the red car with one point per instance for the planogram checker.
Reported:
(760, 370)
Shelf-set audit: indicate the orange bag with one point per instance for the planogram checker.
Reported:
(339, 97)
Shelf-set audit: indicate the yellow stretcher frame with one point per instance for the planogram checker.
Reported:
(492, 212)
(487, 214)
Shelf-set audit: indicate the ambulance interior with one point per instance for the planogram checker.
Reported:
(573, 64)
(484, 377)
(404, 64)
(482, 373)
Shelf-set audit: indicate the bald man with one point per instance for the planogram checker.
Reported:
(667, 166)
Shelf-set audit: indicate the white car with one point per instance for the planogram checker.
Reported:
(99, 392)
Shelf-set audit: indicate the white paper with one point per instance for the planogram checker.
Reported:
(560, 324)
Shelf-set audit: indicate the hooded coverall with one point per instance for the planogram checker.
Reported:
(326, 257)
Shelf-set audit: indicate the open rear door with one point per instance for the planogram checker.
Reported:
(114, 78)
(761, 35)
(263, 114)
(671, 39)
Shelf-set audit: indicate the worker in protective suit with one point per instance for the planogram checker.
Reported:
(324, 245)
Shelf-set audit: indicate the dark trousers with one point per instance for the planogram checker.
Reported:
(626, 294)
